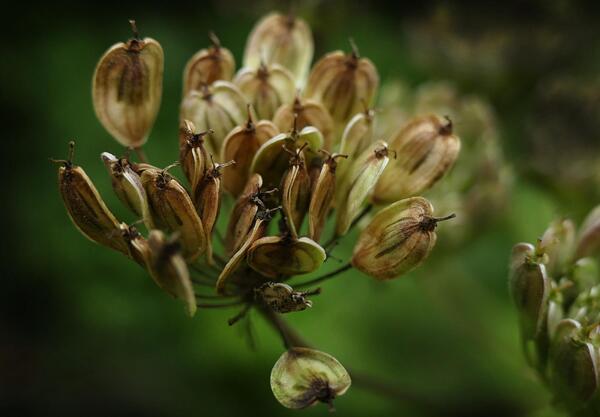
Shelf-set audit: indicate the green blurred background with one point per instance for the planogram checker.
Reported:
(83, 331)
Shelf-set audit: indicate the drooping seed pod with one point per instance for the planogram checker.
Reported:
(271, 160)
(193, 155)
(261, 221)
(169, 270)
(219, 107)
(588, 241)
(172, 209)
(127, 89)
(207, 199)
(358, 183)
(241, 145)
(284, 40)
(127, 185)
(426, 149)
(398, 239)
(281, 298)
(277, 256)
(138, 247)
(243, 214)
(266, 88)
(342, 83)
(558, 243)
(208, 65)
(322, 197)
(85, 206)
(302, 377)
(356, 138)
(529, 287)
(306, 113)
(295, 191)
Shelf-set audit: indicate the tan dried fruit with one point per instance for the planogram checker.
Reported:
(241, 145)
(208, 65)
(397, 240)
(172, 209)
(266, 88)
(295, 190)
(284, 40)
(342, 82)
(127, 89)
(193, 155)
(426, 149)
(138, 247)
(356, 138)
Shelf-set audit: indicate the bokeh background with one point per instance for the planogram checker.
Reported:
(83, 331)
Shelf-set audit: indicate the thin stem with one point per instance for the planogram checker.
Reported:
(325, 277)
(141, 154)
(202, 283)
(224, 305)
(212, 297)
(289, 336)
(239, 315)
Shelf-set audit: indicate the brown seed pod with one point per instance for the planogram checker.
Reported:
(241, 145)
(306, 113)
(172, 209)
(169, 270)
(208, 65)
(193, 155)
(340, 82)
(284, 40)
(356, 138)
(295, 190)
(426, 149)
(397, 240)
(322, 197)
(86, 207)
(266, 88)
(127, 89)
(282, 298)
(219, 107)
(127, 185)
(138, 247)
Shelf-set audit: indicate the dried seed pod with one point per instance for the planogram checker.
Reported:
(86, 207)
(271, 160)
(243, 214)
(284, 40)
(397, 240)
(219, 107)
(208, 65)
(172, 209)
(207, 199)
(169, 270)
(356, 138)
(558, 243)
(358, 183)
(127, 89)
(588, 241)
(282, 298)
(266, 88)
(127, 185)
(426, 149)
(138, 247)
(340, 82)
(322, 197)
(306, 113)
(193, 155)
(275, 256)
(529, 287)
(295, 191)
(302, 377)
(241, 145)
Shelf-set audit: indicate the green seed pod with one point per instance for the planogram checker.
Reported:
(169, 270)
(207, 66)
(398, 239)
(85, 206)
(172, 209)
(271, 160)
(295, 191)
(127, 89)
(558, 242)
(283, 40)
(127, 185)
(356, 139)
(302, 377)
(588, 241)
(219, 107)
(266, 88)
(342, 83)
(358, 184)
(426, 151)
(282, 298)
(275, 256)
(241, 145)
(306, 113)
(193, 155)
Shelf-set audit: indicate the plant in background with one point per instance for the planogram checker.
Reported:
(291, 154)
(555, 285)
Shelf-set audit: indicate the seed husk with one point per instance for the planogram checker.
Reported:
(127, 89)
(193, 155)
(208, 65)
(138, 247)
(295, 191)
(302, 377)
(558, 243)
(356, 139)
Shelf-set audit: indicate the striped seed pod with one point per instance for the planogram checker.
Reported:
(193, 155)
(295, 190)
(138, 247)
(356, 138)
(208, 65)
